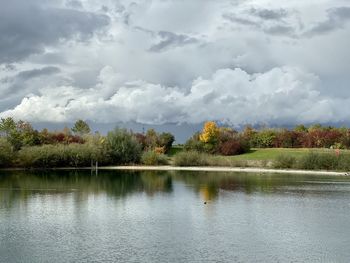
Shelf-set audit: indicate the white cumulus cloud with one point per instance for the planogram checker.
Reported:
(280, 95)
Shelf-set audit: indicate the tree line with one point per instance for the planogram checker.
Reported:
(228, 141)
(23, 146)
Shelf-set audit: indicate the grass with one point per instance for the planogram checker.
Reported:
(266, 154)
(265, 157)
(193, 158)
(269, 154)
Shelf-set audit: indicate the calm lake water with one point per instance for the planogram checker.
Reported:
(162, 217)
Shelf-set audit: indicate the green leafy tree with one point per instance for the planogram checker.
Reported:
(166, 140)
(264, 138)
(300, 128)
(122, 147)
(151, 139)
(81, 128)
(28, 135)
(6, 153)
(7, 125)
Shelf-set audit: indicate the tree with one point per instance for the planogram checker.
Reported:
(81, 128)
(7, 125)
(28, 135)
(300, 128)
(122, 147)
(166, 140)
(6, 153)
(151, 139)
(210, 133)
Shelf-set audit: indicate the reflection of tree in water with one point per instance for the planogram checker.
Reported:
(209, 184)
(21, 185)
(209, 192)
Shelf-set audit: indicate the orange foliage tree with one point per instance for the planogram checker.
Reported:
(210, 133)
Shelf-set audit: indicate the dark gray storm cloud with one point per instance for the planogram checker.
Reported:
(27, 27)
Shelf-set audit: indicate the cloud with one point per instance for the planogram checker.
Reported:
(281, 95)
(175, 61)
(33, 73)
(278, 22)
(28, 27)
(16, 83)
(288, 22)
(169, 39)
(269, 14)
(336, 19)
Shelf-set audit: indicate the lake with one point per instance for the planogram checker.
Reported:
(168, 216)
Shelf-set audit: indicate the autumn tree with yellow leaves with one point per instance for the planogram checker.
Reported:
(210, 133)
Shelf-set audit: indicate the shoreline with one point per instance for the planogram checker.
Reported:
(222, 169)
(193, 168)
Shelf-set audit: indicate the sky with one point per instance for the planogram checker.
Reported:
(175, 61)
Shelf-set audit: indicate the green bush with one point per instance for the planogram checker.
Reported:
(284, 161)
(122, 147)
(315, 161)
(344, 162)
(47, 156)
(6, 153)
(318, 161)
(153, 158)
(194, 144)
(264, 138)
(166, 140)
(192, 158)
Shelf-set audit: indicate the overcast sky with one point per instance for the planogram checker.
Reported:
(156, 62)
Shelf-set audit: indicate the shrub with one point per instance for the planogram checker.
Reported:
(233, 147)
(159, 150)
(165, 140)
(122, 147)
(344, 162)
(6, 153)
(286, 139)
(319, 161)
(194, 144)
(314, 161)
(324, 161)
(284, 161)
(192, 158)
(153, 140)
(153, 158)
(264, 139)
(47, 156)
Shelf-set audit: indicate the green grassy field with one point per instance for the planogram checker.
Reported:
(266, 154)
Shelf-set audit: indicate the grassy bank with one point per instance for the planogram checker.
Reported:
(281, 158)
(267, 154)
